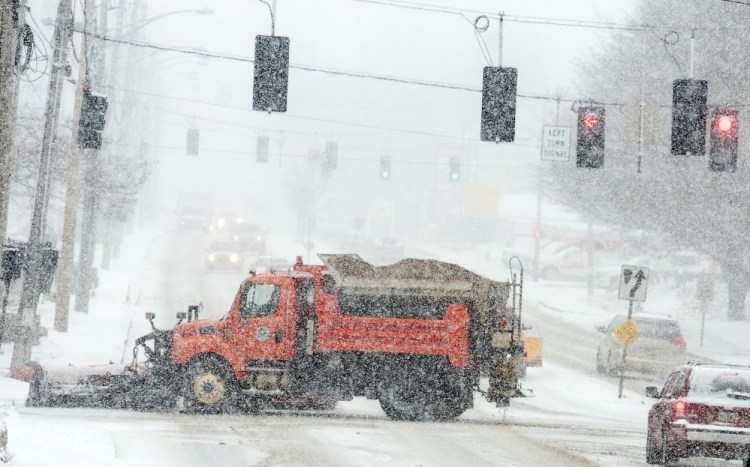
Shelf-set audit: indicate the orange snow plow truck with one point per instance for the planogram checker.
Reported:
(415, 335)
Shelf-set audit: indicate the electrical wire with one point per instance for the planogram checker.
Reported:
(511, 18)
(329, 71)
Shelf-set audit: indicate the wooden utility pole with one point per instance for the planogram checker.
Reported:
(73, 189)
(7, 107)
(30, 293)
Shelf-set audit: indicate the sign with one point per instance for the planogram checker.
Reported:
(633, 282)
(627, 332)
(555, 143)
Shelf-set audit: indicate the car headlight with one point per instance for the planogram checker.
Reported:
(212, 257)
(234, 257)
(236, 237)
(259, 237)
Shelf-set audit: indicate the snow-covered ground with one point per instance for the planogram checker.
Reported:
(568, 391)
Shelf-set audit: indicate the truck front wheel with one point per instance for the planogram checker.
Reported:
(210, 387)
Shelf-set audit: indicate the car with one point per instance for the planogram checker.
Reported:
(248, 237)
(271, 263)
(223, 255)
(703, 410)
(193, 218)
(659, 347)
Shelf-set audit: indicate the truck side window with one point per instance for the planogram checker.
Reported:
(327, 284)
(260, 300)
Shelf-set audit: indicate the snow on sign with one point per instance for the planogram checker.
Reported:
(633, 282)
(556, 143)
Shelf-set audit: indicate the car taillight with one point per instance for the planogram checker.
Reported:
(678, 342)
(679, 409)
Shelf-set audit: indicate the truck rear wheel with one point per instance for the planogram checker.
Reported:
(403, 402)
(431, 400)
(210, 387)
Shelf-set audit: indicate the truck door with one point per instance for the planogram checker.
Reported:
(267, 317)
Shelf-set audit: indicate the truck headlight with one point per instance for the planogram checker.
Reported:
(234, 257)
(212, 257)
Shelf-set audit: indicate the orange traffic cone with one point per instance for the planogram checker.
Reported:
(127, 296)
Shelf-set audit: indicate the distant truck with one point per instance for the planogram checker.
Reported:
(194, 212)
(412, 335)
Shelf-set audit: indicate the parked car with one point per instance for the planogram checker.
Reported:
(659, 347)
(223, 256)
(703, 411)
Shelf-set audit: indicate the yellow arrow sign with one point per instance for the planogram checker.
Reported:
(627, 333)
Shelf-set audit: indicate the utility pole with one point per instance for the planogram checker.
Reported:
(30, 293)
(7, 107)
(90, 188)
(65, 272)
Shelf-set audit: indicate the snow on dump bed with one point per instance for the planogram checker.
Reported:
(424, 278)
(409, 273)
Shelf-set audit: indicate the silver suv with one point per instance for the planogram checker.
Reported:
(659, 347)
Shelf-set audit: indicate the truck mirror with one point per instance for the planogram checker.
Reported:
(652, 392)
(181, 315)
(602, 329)
(150, 316)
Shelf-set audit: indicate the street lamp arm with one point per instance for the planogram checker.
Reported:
(273, 20)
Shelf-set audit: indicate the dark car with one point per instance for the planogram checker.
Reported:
(223, 255)
(703, 411)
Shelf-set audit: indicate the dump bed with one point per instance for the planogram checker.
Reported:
(413, 306)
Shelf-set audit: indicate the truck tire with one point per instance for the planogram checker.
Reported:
(400, 402)
(210, 387)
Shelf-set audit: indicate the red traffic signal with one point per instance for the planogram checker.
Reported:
(724, 123)
(591, 120)
(590, 145)
(724, 140)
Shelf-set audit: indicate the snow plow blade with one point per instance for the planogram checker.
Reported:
(521, 392)
(120, 386)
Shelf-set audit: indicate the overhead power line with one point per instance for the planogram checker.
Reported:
(510, 18)
(329, 71)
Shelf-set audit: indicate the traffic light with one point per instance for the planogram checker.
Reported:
(12, 263)
(590, 148)
(91, 122)
(385, 167)
(262, 149)
(330, 157)
(499, 104)
(689, 112)
(724, 134)
(193, 137)
(271, 73)
(454, 173)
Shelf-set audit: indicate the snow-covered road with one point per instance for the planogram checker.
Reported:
(575, 417)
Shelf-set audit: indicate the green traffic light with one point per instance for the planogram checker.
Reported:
(385, 174)
(454, 176)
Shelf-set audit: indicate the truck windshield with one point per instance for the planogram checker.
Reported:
(260, 300)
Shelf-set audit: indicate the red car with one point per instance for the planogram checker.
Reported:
(703, 411)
